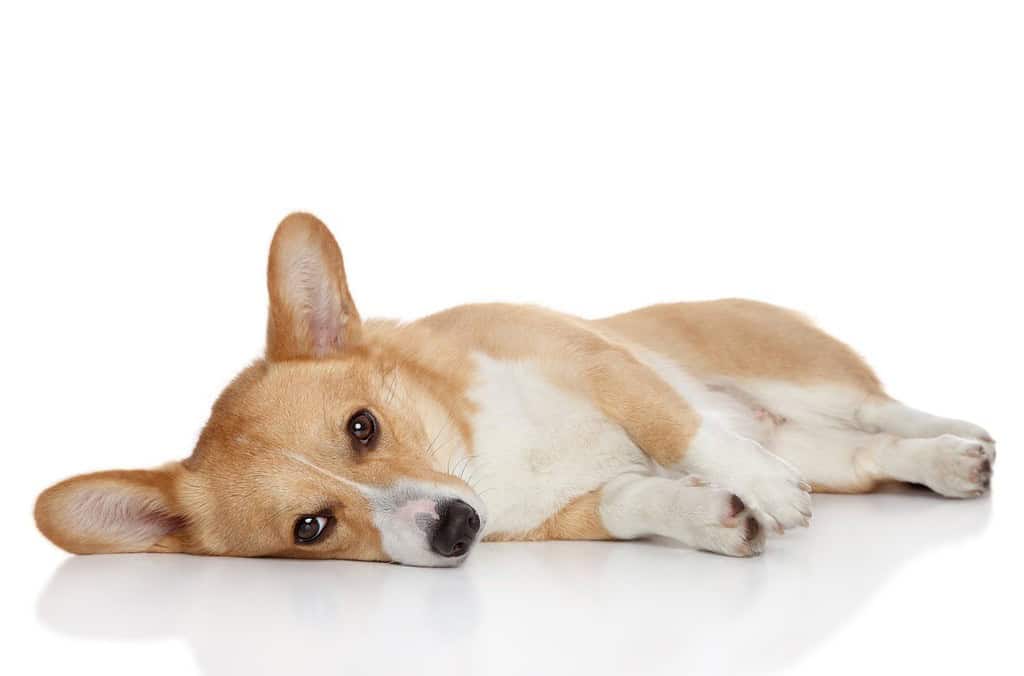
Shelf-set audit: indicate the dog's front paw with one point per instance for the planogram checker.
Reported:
(777, 495)
(706, 517)
(960, 468)
(737, 533)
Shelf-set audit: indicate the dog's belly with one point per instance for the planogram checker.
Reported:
(536, 446)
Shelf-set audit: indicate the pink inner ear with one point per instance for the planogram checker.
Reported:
(324, 320)
(119, 516)
(311, 291)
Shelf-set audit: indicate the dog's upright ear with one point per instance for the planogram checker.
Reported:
(312, 315)
(113, 512)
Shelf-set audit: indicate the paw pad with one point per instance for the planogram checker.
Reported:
(736, 506)
(751, 529)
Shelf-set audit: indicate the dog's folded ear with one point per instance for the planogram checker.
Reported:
(312, 315)
(113, 512)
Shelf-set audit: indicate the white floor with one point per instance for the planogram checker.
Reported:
(899, 581)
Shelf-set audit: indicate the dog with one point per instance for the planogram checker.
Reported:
(709, 423)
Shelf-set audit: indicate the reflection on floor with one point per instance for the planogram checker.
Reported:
(516, 608)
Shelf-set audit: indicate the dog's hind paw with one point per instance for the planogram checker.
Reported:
(960, 468)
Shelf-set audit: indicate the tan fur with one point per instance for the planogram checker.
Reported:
(745, 339)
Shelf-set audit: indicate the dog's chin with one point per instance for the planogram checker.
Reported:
(424, 557)
(432, 560)
(418, 552)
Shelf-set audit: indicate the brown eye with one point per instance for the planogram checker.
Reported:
(363, 427)
(309, 528)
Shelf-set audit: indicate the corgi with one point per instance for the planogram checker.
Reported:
(710, 423)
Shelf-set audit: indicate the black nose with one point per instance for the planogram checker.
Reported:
(456, 530)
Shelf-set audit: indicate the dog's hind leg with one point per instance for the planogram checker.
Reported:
(853, 461)
(881, 414)
(845, 442)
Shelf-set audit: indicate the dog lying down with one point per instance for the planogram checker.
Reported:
(709, 423)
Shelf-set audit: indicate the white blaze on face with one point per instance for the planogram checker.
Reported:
(405, 513)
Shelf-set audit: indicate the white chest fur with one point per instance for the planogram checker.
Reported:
(536, 446)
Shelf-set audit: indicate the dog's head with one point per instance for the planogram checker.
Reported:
(321, 450)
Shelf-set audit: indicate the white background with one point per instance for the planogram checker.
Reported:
(859, 161)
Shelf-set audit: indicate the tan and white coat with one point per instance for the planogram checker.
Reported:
(709, 423)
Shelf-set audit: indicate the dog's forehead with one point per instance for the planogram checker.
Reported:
(294, 404)
(302, 384)
(271, 412)
(275, 399)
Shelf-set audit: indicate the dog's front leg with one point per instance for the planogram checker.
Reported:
(771, 487)
(684, 509)
(678, 437)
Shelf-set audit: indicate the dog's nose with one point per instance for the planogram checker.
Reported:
(456, 530)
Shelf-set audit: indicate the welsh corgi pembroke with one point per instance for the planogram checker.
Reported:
(710, 423)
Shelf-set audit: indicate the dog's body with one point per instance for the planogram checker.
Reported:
(410, 442)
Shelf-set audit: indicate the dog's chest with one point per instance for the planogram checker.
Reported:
(536, 446)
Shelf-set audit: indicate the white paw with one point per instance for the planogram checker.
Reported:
(777, 495)
(729, 529)
(966, 430)
(959, 468)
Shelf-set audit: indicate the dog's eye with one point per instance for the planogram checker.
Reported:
(363, 427)
(309, 528)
